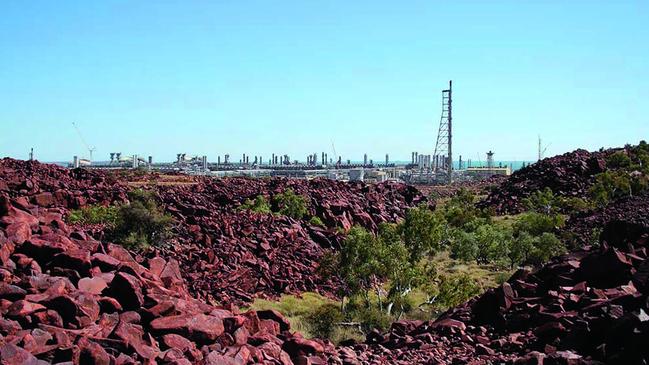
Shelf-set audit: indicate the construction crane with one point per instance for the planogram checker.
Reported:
(333, 147)
(88, 147)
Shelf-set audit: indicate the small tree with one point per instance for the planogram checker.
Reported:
(546, 247)
(454, 290)
(316, 221)
(141, 223)
(463, 245)
(423, 232)
(360, 261)
(493, 243)
(521, 249)
(460, 209)
(610, 185)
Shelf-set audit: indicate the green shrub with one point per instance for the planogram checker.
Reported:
(259, 205)
(463, 245)
(542, 201)
(316, 221)
(618, 160)
(545, 247)
(502, 277)
(290, 204)
(536, 223)
(493, 243)
(323, 320)
(571, 205)
(422, 232)
(455, 289)
(94, 214)
(369, 317)
(460, 209)
(521, 248)
(141, 223)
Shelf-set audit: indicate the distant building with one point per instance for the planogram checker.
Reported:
(488, 171)
(356, 174)
(375, 176)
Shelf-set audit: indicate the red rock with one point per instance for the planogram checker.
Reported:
(484, 350)
(199, 328)
(44, 199)
(214, 358)
(11, 292)
(127, 289)
(132, 335)
(75, 259)
(449, 323)
(274, 315)
(92, 285)
(18, 232)
(22, 308)
(299, 346)
(533, 358)
(105, 262)
(173, 340)
(92, 353)
(13, 355)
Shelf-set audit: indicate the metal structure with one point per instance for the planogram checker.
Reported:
(88, 147)
(490, 160)
(444, 145)
(541, 151)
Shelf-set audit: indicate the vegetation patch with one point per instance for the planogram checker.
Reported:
(136, 225)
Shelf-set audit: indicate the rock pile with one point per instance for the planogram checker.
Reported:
(232, 255)
(67, 298)
(228, 254)
(52, 186)
(570, 174)
(589, 306)
(585, 227)
(478, 187)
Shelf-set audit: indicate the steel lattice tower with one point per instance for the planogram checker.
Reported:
(444, 147)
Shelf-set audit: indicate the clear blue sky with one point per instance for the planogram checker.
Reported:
(216, 77)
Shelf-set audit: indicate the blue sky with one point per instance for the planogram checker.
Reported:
(216, 77)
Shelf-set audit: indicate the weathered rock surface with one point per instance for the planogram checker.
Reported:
(570, 174)
(98, 305)
(252, 254)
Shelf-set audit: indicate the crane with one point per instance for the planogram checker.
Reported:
(334, 150)
(89, 148)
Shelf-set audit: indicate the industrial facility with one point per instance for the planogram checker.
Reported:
(436, 168)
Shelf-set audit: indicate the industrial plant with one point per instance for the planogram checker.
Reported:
(423, 168)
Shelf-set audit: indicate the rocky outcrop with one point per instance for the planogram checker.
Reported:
(65, 297)
(570, 174)
(233, 255)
